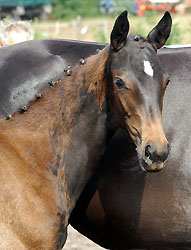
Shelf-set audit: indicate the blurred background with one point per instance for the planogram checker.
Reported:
(89, 20)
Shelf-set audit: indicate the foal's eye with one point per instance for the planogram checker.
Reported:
(167, 82)
(120, 84)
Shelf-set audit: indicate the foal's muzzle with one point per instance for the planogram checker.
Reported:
(153, 158)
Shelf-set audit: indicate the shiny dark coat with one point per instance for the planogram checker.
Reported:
(27, 68)
(123, 208)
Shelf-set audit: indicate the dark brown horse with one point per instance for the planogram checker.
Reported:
(122, 208)
(46, 154)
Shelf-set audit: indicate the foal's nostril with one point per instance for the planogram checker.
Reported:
(152, 154)
(148, 152)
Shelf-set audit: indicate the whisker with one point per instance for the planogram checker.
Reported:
(130, 165)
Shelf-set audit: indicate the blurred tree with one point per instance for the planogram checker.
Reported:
(73, 8)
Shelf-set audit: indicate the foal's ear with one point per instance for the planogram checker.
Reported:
(158, 36)
(120, 31)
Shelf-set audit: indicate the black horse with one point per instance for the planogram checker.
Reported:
(122, 208)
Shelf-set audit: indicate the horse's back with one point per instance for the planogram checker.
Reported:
(26, 69)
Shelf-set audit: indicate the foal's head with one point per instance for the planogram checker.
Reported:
(139, 84)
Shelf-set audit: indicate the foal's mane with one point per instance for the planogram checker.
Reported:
(91, 76)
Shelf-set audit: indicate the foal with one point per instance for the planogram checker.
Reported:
(49, 152)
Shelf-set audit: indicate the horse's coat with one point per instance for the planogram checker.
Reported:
(46, 155)
(123, 209)
(27, 68)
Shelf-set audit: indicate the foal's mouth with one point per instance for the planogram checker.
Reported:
(152, 167)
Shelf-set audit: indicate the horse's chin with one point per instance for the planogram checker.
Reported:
(151, 167)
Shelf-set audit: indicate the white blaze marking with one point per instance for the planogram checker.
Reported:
(148, 68)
